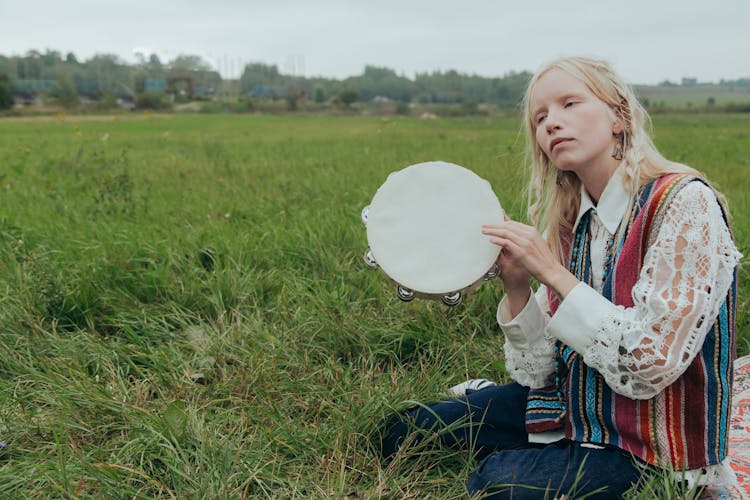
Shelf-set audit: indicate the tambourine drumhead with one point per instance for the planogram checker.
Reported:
(424, 227)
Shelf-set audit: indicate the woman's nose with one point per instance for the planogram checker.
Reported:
(551, 122)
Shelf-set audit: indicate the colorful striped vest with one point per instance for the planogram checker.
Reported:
(686, 425)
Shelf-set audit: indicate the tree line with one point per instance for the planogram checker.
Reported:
(150, 83)
(103, 77)
(106, 77)
(379, 83)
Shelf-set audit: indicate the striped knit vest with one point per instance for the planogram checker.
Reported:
(686, 425)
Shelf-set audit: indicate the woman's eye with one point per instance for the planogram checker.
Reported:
(540, 118)
(569, 103)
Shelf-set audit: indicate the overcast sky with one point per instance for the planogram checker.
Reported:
(647, 41)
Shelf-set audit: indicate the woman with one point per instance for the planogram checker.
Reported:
(622, 359)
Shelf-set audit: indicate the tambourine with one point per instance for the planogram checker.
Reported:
(424, 231)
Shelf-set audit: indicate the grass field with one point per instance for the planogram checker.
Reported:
(185, 312)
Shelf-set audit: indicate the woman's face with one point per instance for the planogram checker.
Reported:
(574, 128)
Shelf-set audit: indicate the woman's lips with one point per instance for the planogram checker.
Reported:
(559, 140)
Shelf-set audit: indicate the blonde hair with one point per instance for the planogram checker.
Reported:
(555, 196)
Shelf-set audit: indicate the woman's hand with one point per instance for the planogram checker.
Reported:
(525, 253)
(513, 273)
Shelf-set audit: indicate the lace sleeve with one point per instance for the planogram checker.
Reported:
(684, 280)
(529, 350)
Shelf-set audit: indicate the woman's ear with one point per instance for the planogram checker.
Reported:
(616, 128)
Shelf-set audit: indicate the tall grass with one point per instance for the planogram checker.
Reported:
(185, 313)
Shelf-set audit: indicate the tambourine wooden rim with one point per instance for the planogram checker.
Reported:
(424, 231)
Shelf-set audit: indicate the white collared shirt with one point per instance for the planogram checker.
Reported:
(605, 220)
(605, 334)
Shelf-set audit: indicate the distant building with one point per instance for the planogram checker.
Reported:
(689, 82)
(28, 89)
(157, 85)
(260, 90)
(204, 91)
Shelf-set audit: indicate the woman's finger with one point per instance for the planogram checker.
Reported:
(509, 249)
(507, 231)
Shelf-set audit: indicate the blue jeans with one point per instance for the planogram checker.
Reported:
(490, 422)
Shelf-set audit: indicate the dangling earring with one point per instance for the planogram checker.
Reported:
(619, 151)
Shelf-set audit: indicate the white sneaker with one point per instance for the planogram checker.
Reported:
(471, 385)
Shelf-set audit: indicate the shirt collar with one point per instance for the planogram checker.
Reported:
(612, 203)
